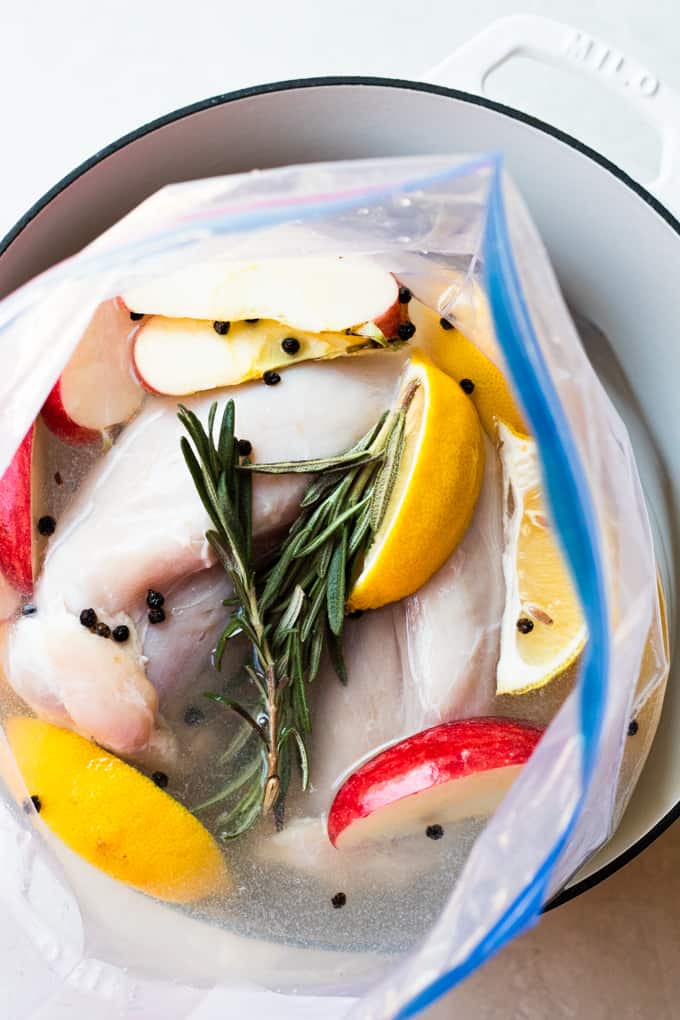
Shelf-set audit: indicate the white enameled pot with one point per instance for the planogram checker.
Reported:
(615, 244)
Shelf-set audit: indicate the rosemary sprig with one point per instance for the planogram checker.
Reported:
(227, 497)
(294, 607)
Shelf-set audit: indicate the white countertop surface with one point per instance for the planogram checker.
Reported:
(76, 75)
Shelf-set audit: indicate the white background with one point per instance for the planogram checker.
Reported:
(77, 74)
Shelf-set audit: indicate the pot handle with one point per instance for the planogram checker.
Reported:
(554, 43)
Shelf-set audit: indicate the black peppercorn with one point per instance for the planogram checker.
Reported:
(193, 716)
(32, 802)
(160, 779)
(405, 295)
(221, 327)
(339, 900)
(271, 378)
(252, 321)
(120, 633)
(445, 324)
(154, 599)
(290, 345)
(245, 447)
(405, 330)
(633, 727)
(103, 630)
(136, 316)
(46, 525)
(156, 615)
(434, 832)
(58, 479)
(525, 625)
(28, 609)
(88, 618)
(467, 385)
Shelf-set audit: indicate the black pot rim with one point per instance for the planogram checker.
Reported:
(397, 83)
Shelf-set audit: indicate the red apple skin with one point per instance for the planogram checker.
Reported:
(16, 519)
(129, 311)
(143, 382)
(388, 322)
(97, 388)
(438, 755)
(61, 425)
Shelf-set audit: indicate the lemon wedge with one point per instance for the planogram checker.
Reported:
(454, 354)
(435, 492)
(115, 817)
(543, 630)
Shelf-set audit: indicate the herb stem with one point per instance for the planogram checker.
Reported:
(272, 784)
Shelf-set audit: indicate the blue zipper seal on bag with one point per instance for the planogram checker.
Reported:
(574, 515)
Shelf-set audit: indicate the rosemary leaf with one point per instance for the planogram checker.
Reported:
(196, 432)
(316, 490)
(240, 779)
(235, 706)
(369, 437)
(336, 579)
(301, 707)
(245, 511)
(305, 467)
(225, 444)
(284, 779)
(199, 479)
(257, 680)
(282, 661)
(336, 523)
(323, 560)
(223, 552)
(233, 479)
(233, 628)
(292, 612)
(303, 757)
(313, 610)
(241, 818)
(279, 570)
(237, 743)
(387, 476)
(296, 668)
(230, 523)
(336, 656)
(306, 573)
(360, 532)
(316, 649)
(213, 456)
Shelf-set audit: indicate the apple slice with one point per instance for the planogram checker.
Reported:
(314, 294)
(179, 356)
(10, 600)
(455, 770)
(21, 507)
(97, 389)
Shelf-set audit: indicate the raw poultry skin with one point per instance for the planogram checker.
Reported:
(428, 659)
(451, 639)
(137, 523)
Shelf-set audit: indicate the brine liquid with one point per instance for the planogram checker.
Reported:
(394, 892)
(284, 891)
